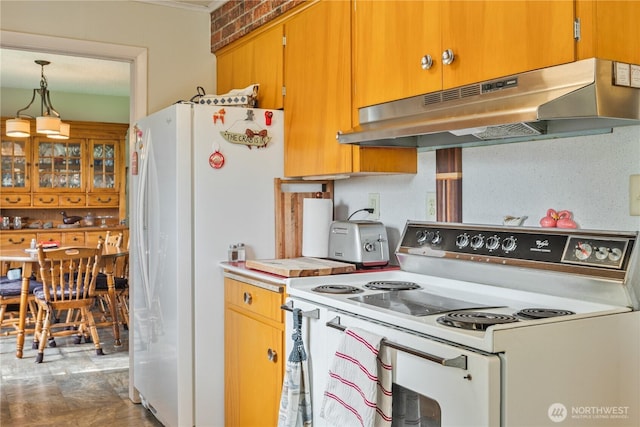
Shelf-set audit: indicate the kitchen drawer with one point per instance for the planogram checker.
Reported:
(106, 199)
(11, 240)
(91, 238)
(73, 238)
(15, 200)
(71, 200)
(253, 299)
(50, 236)
(44, 200)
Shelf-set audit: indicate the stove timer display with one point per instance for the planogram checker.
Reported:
(596, 252)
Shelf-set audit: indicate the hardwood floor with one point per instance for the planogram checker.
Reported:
(72, 387)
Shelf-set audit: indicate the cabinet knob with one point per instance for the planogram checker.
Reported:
(448, 57)
(272, 355)
(426, 62)
(247, 298)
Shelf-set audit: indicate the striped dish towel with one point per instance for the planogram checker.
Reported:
(358, 391)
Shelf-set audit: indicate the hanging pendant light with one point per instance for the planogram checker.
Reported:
(64, 132)
(47, 123)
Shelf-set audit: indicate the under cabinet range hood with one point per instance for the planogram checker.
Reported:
(588, 96)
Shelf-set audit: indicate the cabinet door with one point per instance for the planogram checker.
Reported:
(59, 165)
(318, 90)
(104, 166)
(609, 30)
(253, 381)
(390, 40)
(497, 38)
(254, 59)
(14, 167)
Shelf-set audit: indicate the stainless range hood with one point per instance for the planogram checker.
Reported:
(565, 100)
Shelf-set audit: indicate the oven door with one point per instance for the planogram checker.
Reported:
(434, 383)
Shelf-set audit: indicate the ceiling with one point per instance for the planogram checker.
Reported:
(75, 74)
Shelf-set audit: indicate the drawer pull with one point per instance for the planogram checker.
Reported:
(78, 200)
(247, 298)
(100, 200)
(8, 200)
(18, 242)
(51, 200)
(272, 355)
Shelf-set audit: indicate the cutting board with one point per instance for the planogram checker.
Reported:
(300, 267)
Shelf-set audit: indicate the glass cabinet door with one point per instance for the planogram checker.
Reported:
(14, 166)
(59, 165)
(104, 157)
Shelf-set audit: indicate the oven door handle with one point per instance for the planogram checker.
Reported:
(313, 314)
(456, 362)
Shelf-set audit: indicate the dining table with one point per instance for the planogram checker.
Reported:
(28, 258)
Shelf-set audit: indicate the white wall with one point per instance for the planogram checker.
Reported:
(587, 175)
(178, 40)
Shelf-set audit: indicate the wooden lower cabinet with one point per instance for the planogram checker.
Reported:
(21, 239)
(254, 354)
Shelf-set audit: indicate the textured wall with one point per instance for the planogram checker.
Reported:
(236, 18)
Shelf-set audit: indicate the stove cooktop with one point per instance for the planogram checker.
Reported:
(415, 303)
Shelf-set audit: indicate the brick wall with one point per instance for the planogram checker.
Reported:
(236, 18)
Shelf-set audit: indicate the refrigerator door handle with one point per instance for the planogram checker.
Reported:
(141, 211)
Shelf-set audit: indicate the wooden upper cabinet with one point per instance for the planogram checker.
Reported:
(257, 58)
(15, 165)
(492, 39)
(489, 39)
(390, 40)
(105, 166)
(318, 90)
(609, 30)
(59, 165)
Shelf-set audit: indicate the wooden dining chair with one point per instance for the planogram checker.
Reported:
(10, 289)
(68, 283)
(113, 303)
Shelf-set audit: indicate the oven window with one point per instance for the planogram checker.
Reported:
(413, 409)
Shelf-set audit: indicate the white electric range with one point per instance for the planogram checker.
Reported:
(492, 326)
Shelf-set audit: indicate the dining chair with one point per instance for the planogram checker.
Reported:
(113, 302)
(10, 289)
(68, 283)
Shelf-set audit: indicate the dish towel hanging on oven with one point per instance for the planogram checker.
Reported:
(358, 391)
(295, 401)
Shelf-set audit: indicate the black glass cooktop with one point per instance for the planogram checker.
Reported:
(416, 303)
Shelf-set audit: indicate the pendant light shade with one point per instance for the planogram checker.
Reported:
(18, 128)
(47, 123)
(64, 132)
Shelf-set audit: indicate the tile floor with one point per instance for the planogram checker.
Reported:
(72, 387)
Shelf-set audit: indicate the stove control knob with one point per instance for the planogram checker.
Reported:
(436, 239)
(493, 243)
(615, 254)
(509, 244)
(462, 240)
(477, 241)
(602, 253)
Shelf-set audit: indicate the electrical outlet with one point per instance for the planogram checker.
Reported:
(374, 203)
(634, 195)
(431, 207)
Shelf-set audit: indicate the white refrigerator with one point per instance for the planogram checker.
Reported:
(201, 179)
